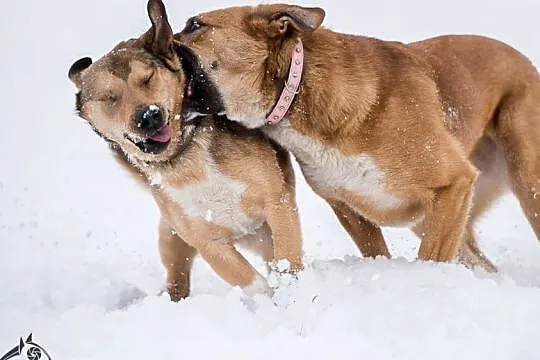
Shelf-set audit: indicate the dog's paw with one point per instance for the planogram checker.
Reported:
(176, 292)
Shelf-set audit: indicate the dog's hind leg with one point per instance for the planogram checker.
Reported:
(517, 128)
(470, 254)
(177, 257)
(367, 236)
(490, 185)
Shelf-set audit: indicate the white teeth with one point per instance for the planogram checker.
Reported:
(177, 117)
(136, 138)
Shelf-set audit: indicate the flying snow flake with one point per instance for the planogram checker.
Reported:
(156, 179)
(208, 216)
(452, 113)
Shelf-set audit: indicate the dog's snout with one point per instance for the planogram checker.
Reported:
(150, 118)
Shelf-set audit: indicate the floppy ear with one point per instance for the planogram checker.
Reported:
(76, 70)
(159, 39)
(280, 19)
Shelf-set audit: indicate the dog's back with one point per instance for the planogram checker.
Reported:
(489, 71)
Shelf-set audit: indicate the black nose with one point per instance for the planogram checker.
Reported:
(150, 119)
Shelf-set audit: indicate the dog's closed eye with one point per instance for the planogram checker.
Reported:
(147, 79)
(109, 99)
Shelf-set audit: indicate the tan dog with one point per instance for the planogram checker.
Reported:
(426, 135)
(216, 184)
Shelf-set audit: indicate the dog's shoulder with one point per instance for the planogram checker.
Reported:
(248, 153)
(231, 139)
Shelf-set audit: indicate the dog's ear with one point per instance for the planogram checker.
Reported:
(76, 70)
(159, 39)
(279, 20)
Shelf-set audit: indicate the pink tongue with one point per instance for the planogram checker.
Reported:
(163, 135)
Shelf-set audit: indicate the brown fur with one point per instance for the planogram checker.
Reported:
(214, 166)
(448, 121)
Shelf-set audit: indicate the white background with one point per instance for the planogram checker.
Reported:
(79, 264)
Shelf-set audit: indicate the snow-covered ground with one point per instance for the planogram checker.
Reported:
(78, 259)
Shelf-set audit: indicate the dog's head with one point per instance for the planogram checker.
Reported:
(246, 52)
(133, 95)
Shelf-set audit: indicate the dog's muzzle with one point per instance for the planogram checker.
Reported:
(157, 132)
(150, 119)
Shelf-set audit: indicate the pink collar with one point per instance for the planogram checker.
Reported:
(291, 86)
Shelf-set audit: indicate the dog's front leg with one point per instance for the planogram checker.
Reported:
(177, 257)
(283, 220)
(232, 266)
(367, 236)
(446, 214)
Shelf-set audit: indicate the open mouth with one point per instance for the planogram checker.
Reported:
(201, 96)
(156, 143)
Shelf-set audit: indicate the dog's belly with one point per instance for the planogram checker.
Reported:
(217, 200)
(355, 180)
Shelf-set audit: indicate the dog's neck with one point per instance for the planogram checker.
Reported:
(322, 107)
(292, 84)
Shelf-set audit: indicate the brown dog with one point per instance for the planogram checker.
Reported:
(216, 184)
(425, 135)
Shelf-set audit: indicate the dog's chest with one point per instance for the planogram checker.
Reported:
(329, 169)
(217, 199)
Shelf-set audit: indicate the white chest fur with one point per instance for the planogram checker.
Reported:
(217, 199)
(329, 169)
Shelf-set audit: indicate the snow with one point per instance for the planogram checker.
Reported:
(78, 238)
(156, 179)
